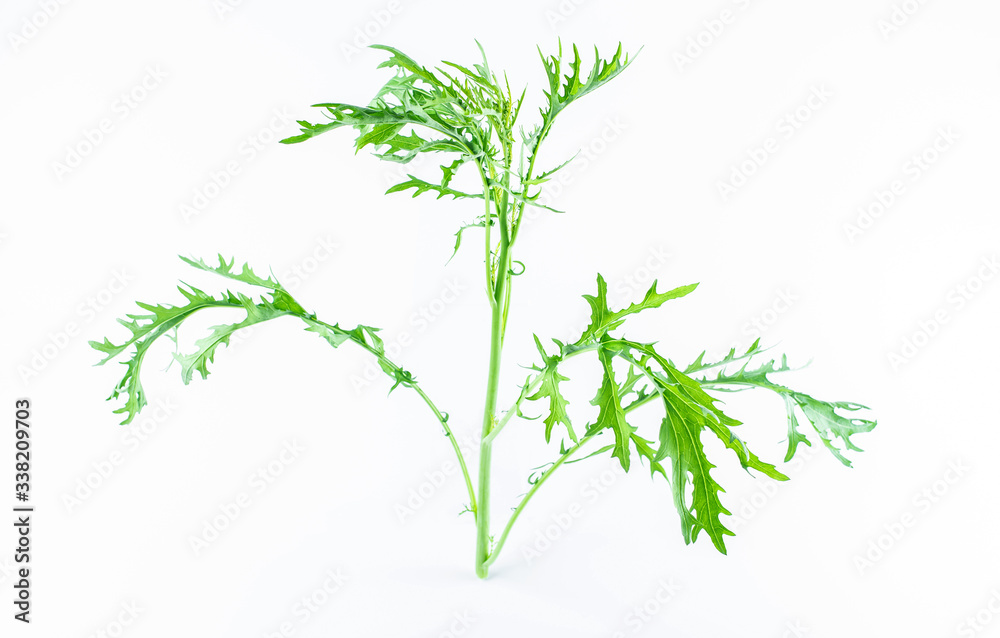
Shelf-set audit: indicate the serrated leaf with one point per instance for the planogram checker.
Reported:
(161, 319)
(401, 60)
(204, 353)
(681, 443)
(564, 90)
(687, 401)
(828, 423)
(611, 414)
(333, 335)
(279, 297)
(543, 177)
(145, 330)
(699, 364)
(794, 436)
(549, 390)
(422, 186)
(378, 135)
(603, 319)
(225, 269)
(413, 145)
(462, 229)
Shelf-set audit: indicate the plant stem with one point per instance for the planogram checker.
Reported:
(486, 446)
(562, 459)
(499, 302)
(527, 497)
(423, 395)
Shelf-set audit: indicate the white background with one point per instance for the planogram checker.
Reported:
(220, 78)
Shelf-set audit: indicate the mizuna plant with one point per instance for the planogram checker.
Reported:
(469, 116)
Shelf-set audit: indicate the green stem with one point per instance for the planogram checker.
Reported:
(559, 462)
(423, 395)
(497, 324)
(527, 497)
(531, 387)
(486, 445)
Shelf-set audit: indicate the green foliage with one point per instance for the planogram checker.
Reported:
(549, 390)
(163, 319)
(465, 117)
(470, 115)
(603, 320)
(689, 411)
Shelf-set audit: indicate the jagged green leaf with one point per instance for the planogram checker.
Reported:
(147, 328)
(280, 297)
(603, 319)
(826, 417)
(611, 413)
(422, 186)
(549, 390)
(205, 347)
(566, 89)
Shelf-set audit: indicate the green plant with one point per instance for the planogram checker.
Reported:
(469, 115)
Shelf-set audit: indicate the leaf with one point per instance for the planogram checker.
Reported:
(162, 319)
(225, 269)
(603, 319)
(699, 364)
(687, 401)
(830, 425)
(549, 389)
(825, 417)
(544, 177)
(421, 187)
(401, 60)
(612, 415)
(383, 115)
(379, 135)
(564, 90)
(688, 412)
(794, 436)
(462, 229)
(281, 298)
(205, 347)
(333, 335)
(523, 197)
(681, 443)
(413, 145)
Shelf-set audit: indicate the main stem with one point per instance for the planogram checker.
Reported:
(486, 446)
(498, 307)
